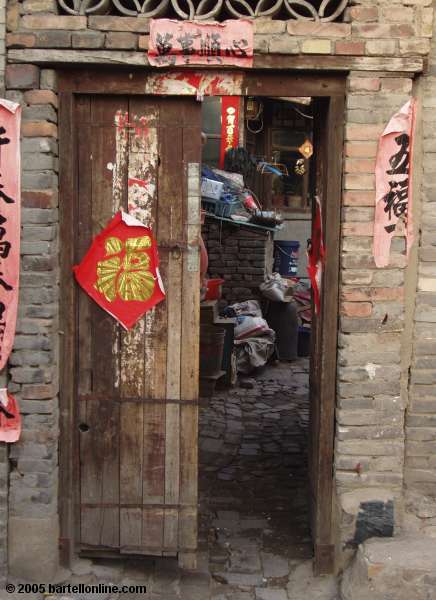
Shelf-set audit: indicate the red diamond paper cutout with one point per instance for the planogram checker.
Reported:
(120, 271)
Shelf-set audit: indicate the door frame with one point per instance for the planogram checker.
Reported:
(331, 87)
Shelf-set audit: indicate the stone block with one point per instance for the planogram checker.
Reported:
(22, 77)
(53, 39)
(41, 97)
(40, 6)
(121, 40)
(38, 558)
(283, 44)
(39, 199)
(52, 22)
(268, 26)
(414, 47)
(48, 78)
(143, 41)
(350, 48)
(316, 46)
(38, 180)
(400, 568)
(381, 47)
(88, 39)
(40, 112)
(39, 129)
(364, 13)
(20, 40)
(114, 23)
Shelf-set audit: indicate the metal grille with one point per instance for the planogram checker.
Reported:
(200, 10)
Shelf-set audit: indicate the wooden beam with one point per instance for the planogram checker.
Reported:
(408, 64)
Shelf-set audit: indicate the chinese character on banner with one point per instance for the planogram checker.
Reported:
(393, 182)
(229, 125)
(10, 119)
(10, 418)
(193, 43)
(316, 256)
(120, 271)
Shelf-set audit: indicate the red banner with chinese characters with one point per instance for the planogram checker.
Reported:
(120, 271)
(10, 175)
(393, 182)
(229, 125)
(192, 43)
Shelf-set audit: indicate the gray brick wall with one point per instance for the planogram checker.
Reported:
(420, 461)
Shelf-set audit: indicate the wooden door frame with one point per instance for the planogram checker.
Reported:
(122, 81)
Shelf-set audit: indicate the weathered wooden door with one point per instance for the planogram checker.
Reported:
(328, 140)
(135, 392)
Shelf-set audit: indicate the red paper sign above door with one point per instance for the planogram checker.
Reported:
(10, 174)
(229, 125)
(177, 43)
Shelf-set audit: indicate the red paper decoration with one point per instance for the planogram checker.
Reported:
(121, 270)
(10, 418)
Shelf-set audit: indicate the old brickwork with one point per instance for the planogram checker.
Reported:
(34, 361)
(420, 467)
(241, 256)
(383, 45)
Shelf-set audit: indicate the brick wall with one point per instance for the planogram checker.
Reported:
(420, 472)
(239, 255)
(381, 41)
(370, 402)
(34, 360)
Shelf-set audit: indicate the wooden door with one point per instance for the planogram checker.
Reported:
(135, 393)
(328, 143)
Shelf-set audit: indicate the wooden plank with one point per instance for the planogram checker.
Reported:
(190, 338)
(141, 165)
(99, 457)
(171, 227)
(300, 62)
(333, 183)
(67, 486)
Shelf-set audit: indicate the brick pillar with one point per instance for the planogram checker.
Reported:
(33, 512)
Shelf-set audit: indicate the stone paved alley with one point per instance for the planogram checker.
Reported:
(254, 532)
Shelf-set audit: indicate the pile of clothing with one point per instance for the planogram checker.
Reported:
(254, 339)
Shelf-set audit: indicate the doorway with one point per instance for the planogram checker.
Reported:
(254, 431)
(158, 516)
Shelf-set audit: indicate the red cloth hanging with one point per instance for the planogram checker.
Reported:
(10, 418)
(120, 271)
(316, 256)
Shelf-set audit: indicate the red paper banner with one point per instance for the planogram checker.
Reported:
(229, 125)
(393, 182)
(10, 118)
(193, 43)
(120, 271)
(316, 256)
(10, 418)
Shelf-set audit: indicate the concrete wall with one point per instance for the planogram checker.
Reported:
(383, 43)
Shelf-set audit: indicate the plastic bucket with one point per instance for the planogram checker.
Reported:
(214, 289)
(211, 349)
(286, 257)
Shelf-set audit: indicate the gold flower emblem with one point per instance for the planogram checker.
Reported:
(125, 271)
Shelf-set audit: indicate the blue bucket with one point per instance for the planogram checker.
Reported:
(286, 257)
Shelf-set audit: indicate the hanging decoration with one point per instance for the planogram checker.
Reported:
(10, 418)
(300, 167)
(229, 125)
(393, 182)
(306, 149)
(192, 43)
(316, 256)
(10, 174)
(121, 270)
